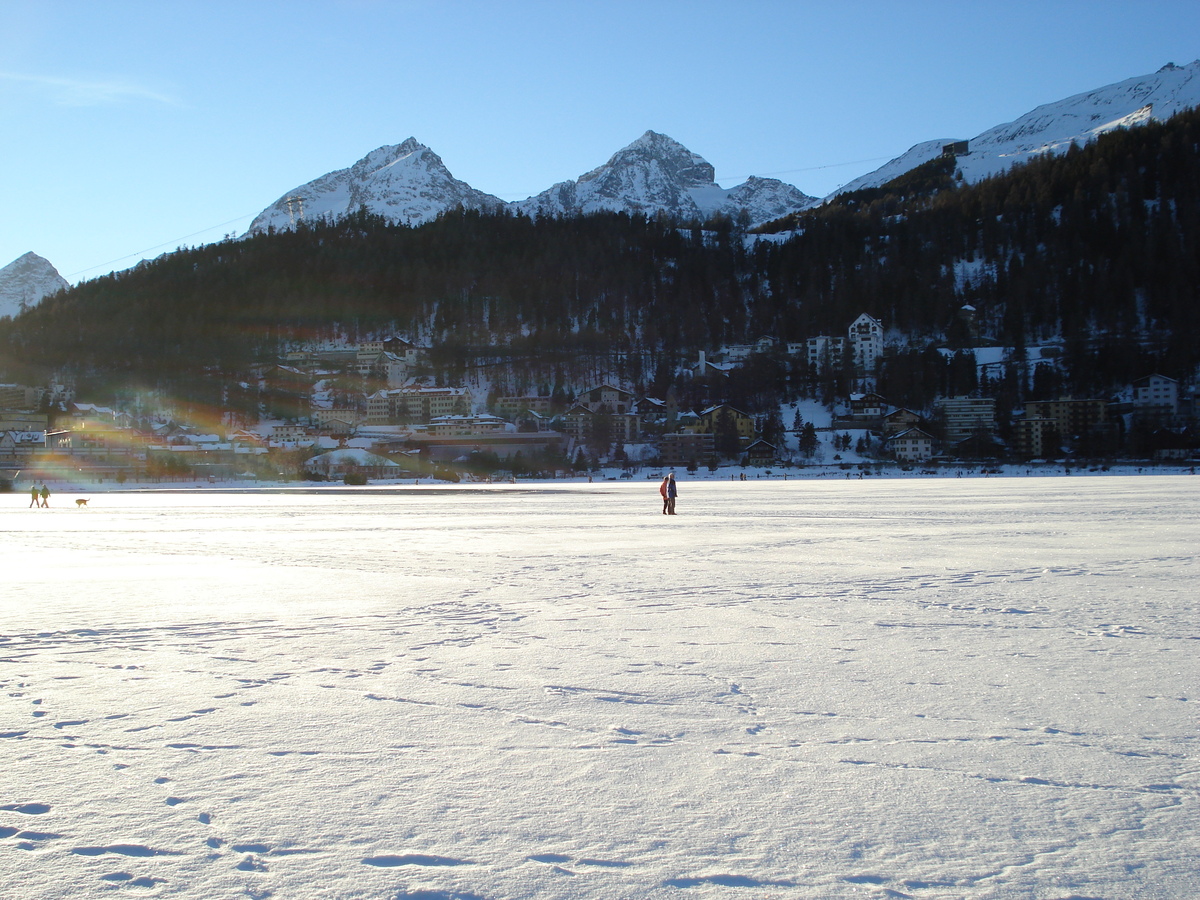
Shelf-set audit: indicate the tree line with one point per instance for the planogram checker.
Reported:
(1098, 248)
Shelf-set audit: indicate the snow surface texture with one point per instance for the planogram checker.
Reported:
(1053, 127)
(25, 281)
(949, 688)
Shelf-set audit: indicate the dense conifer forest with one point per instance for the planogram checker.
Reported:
(1098, 249)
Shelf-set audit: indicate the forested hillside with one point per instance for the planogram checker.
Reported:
(1099, 248)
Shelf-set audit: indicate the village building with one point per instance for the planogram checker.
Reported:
(913, 445)
(766, 344)
(899, 420)
(761, 453)
(966, 416)
(289, 433)
(1156, 396)
(1036, 438)
(863, 343)
(504, 444)
(866, 343)
(1070, 417)
(615, 400)
(412, 355)
(93, 444)
(512, 407)
(618, 404)
(825, 353)
(532, 421)
(682, 449)
(653, 413)
(867, 406)
(466, 425)
(416, 404)
(20, 396)
(337, 421)
(736, 353)
(20, 449)
(23, 420)
(708, 421)
(1048, 423)
(337, 464)
(577, 422)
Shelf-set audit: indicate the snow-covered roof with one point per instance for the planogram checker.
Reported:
(351, 456)
(911, 432)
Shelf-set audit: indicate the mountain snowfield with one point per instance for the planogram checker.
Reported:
(1052, 128)
(934, 689)
(25, 281)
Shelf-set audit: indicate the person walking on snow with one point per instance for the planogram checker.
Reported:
(33, 496)
(672, 492)
(662, 489)
(45, 497)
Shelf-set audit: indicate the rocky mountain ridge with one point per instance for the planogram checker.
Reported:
(405, 182)
(655, 174)
(25, 281)
(658, 174)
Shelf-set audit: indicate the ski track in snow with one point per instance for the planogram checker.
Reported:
(977, 689)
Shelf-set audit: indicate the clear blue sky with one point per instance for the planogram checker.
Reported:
(130, 128)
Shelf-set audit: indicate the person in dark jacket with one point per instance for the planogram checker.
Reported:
(672, 493)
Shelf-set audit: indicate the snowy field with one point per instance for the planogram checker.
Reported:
(945, 688)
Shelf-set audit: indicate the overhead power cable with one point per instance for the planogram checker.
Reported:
(174, 242)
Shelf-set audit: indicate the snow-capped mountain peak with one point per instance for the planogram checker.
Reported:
(25, 281)
(405, 182)
(658, 153)
(1053, 127)
(408, 182)
(658, 174)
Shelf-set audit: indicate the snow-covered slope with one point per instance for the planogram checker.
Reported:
(658, 174)
(1053, 127)
(25, 281)
(406, 182)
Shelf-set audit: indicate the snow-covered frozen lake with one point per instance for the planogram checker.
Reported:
(945, 688)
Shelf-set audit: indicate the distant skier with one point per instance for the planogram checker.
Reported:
(672, 492)
(662, 489)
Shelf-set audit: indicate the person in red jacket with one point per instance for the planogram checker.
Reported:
(662, 489)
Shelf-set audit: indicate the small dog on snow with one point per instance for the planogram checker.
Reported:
(80, 503)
